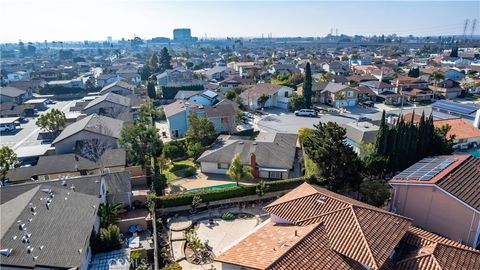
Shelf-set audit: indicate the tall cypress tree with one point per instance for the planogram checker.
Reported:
(382, 137)
(164, 60)
(307, 86)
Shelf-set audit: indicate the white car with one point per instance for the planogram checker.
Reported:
(306, 112)
(7, 127)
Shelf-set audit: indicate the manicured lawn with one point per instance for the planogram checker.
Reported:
(180, 169)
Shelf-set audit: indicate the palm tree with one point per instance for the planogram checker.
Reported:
(237, 171)
(436, 77)
(108, 213)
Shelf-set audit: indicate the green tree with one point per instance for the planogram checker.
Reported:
(382, 136)
(307, 86)
(262, 100)
(107, 239)
(374, 165)
(297, 102)
(8, 160)
(374, 192)
(200, 129)
(153, 63)
(262, 188)
(142, 142)
(159, 182)
(52, 121)
(164, 60)
(194, 149)
(414, 72)
(436, 77)
(454, 52)
(236, 170)
(108, 213)
(174, 149)
(151, 92)
(338, 165)
(230, 95)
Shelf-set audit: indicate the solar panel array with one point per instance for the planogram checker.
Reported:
(455, 107)
(425, 169)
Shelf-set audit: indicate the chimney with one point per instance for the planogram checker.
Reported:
(476, 123)
(253, 164)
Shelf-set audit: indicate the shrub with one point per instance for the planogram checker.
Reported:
(186, 198)
(228, 216)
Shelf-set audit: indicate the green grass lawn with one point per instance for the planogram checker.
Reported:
(180, 169)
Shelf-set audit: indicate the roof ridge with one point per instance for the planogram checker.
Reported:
(324, 214)
(416, 257)
(433, 256)
(298, 242)
(294, 199)
(382, 211)
(364, 238)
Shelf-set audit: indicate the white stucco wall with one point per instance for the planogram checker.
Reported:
(210, 167)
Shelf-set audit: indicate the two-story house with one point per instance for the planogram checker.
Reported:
(339, 95)
(278, 96)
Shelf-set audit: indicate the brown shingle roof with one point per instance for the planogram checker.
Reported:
(257, 90)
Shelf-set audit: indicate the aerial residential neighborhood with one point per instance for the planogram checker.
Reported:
(174, 135)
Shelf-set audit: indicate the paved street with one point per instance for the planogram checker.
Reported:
(27, 134)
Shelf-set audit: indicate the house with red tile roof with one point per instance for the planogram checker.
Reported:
(313, 228)
(466, 134)
(442, 195)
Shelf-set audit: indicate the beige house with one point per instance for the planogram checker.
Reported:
(441, 195)
(110, 105)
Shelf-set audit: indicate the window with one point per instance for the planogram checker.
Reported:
(349, 93)
(223, 165)
(286, 94)
(275, 175)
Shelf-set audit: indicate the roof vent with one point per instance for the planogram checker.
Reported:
(35, 258)
(40, 247)
(52, 195)
(33, 208)
(30, 219)
(21, 227)
(14, 237)
(25, 239)
(64, 183)
(72, 188)
(47, 190)
(66, 198)
(48, 206)
(6, 251)
(29, 249)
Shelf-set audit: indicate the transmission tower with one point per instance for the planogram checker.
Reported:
(474, 25)
(465, 26)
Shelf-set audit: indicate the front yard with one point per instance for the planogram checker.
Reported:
(180, 169)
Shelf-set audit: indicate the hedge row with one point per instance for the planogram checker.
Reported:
(185, 198)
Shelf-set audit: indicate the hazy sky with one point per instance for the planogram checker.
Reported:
(37, 20)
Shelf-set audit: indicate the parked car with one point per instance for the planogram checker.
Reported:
(248, 115)
(23, 120)
(364, 119)
(7, 127)
(306, 112)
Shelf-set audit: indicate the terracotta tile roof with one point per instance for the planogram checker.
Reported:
(356, 230)
(464, 182)
(262, 248)
(432, 252)
(314, 252)
(461, 128)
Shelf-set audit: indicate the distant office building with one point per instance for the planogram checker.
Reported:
(182, 34)
(109, 40)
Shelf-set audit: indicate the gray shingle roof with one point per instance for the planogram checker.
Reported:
(110, 97)
(278, 152)
(94, 123)
(120, 84)
(12, 92)
(58, 234)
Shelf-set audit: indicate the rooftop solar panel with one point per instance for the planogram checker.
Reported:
(425, 169)
(455, 107)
